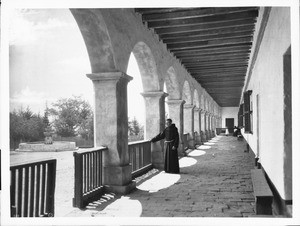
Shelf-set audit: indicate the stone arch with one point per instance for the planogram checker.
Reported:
(172, 84)
(96, 37)
(147, 66)
(186, 93)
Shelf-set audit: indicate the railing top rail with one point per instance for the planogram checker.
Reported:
(138, 142)
(33, 162)
(88, 150)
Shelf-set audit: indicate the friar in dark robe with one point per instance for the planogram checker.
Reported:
(171, 136)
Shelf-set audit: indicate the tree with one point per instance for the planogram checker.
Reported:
(46, 116)
(25, 126)
(136, 131)
(135, 126)
(72, 116)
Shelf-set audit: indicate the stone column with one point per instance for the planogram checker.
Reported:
(176, 114)
(197, 124)
(214, 125)
(189, 123)
(111, 128)
(211, 124)
(155, 123)
(207, 125)
(203, 135)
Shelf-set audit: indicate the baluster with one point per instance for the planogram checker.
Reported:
(43, 188)
(88, 172)
(94, 170)
(51, 187)
(26, 188)
(32, 176)
(84, 168)
(140, 155)
(37, 209)
(20, 188)
(13, 192)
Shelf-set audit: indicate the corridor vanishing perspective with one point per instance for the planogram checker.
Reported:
(215, 181)
(225, 76)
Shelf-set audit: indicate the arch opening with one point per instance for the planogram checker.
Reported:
(136, 105)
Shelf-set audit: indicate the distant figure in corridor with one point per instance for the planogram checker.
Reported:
(171, 135)
(236, 131)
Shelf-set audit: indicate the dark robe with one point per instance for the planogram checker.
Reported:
(171, 136)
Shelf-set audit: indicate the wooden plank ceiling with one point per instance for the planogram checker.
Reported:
(213, 44)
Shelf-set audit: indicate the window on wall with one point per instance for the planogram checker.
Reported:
(241, 116)
(248, 119)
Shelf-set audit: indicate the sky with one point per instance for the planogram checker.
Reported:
(49, 60)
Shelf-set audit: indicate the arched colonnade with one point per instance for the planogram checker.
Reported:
(111, 35)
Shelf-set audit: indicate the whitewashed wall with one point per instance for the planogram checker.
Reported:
(229, 112)
(266, 81)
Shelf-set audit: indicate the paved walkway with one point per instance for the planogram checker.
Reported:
(215, 181)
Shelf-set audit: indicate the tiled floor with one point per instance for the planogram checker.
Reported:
(214, 182)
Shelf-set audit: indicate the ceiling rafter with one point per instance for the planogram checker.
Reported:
(213, 44)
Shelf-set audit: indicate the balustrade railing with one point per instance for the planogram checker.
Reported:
(88, 182)
(32, 189)
(140, 157)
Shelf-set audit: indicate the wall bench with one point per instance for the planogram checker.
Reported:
(262, 193)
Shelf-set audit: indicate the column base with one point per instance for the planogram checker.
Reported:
(191, 143)
(117, 175)
(158, 159)
(121, 189)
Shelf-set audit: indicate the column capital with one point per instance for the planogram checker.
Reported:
(188, 106)
(196, 109)
(154, 94)
(109, 76)
(176, 102)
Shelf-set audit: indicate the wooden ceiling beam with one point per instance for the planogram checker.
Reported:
(230, 99)
(214, 56)
(216, 66)
(225, 79)
(207, 37)
(190, 13)
(206, 47)
(203, 20)
(162, 10)
(238, 68)
(209, 43)
(220, 67)
(233, 96)
(217, 61)
(201, 27)
(224, 85)
(219, 75)
(213, 52)
(218, 31)
(213, 49)
(222, 89)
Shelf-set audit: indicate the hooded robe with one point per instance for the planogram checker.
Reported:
(171, 136)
